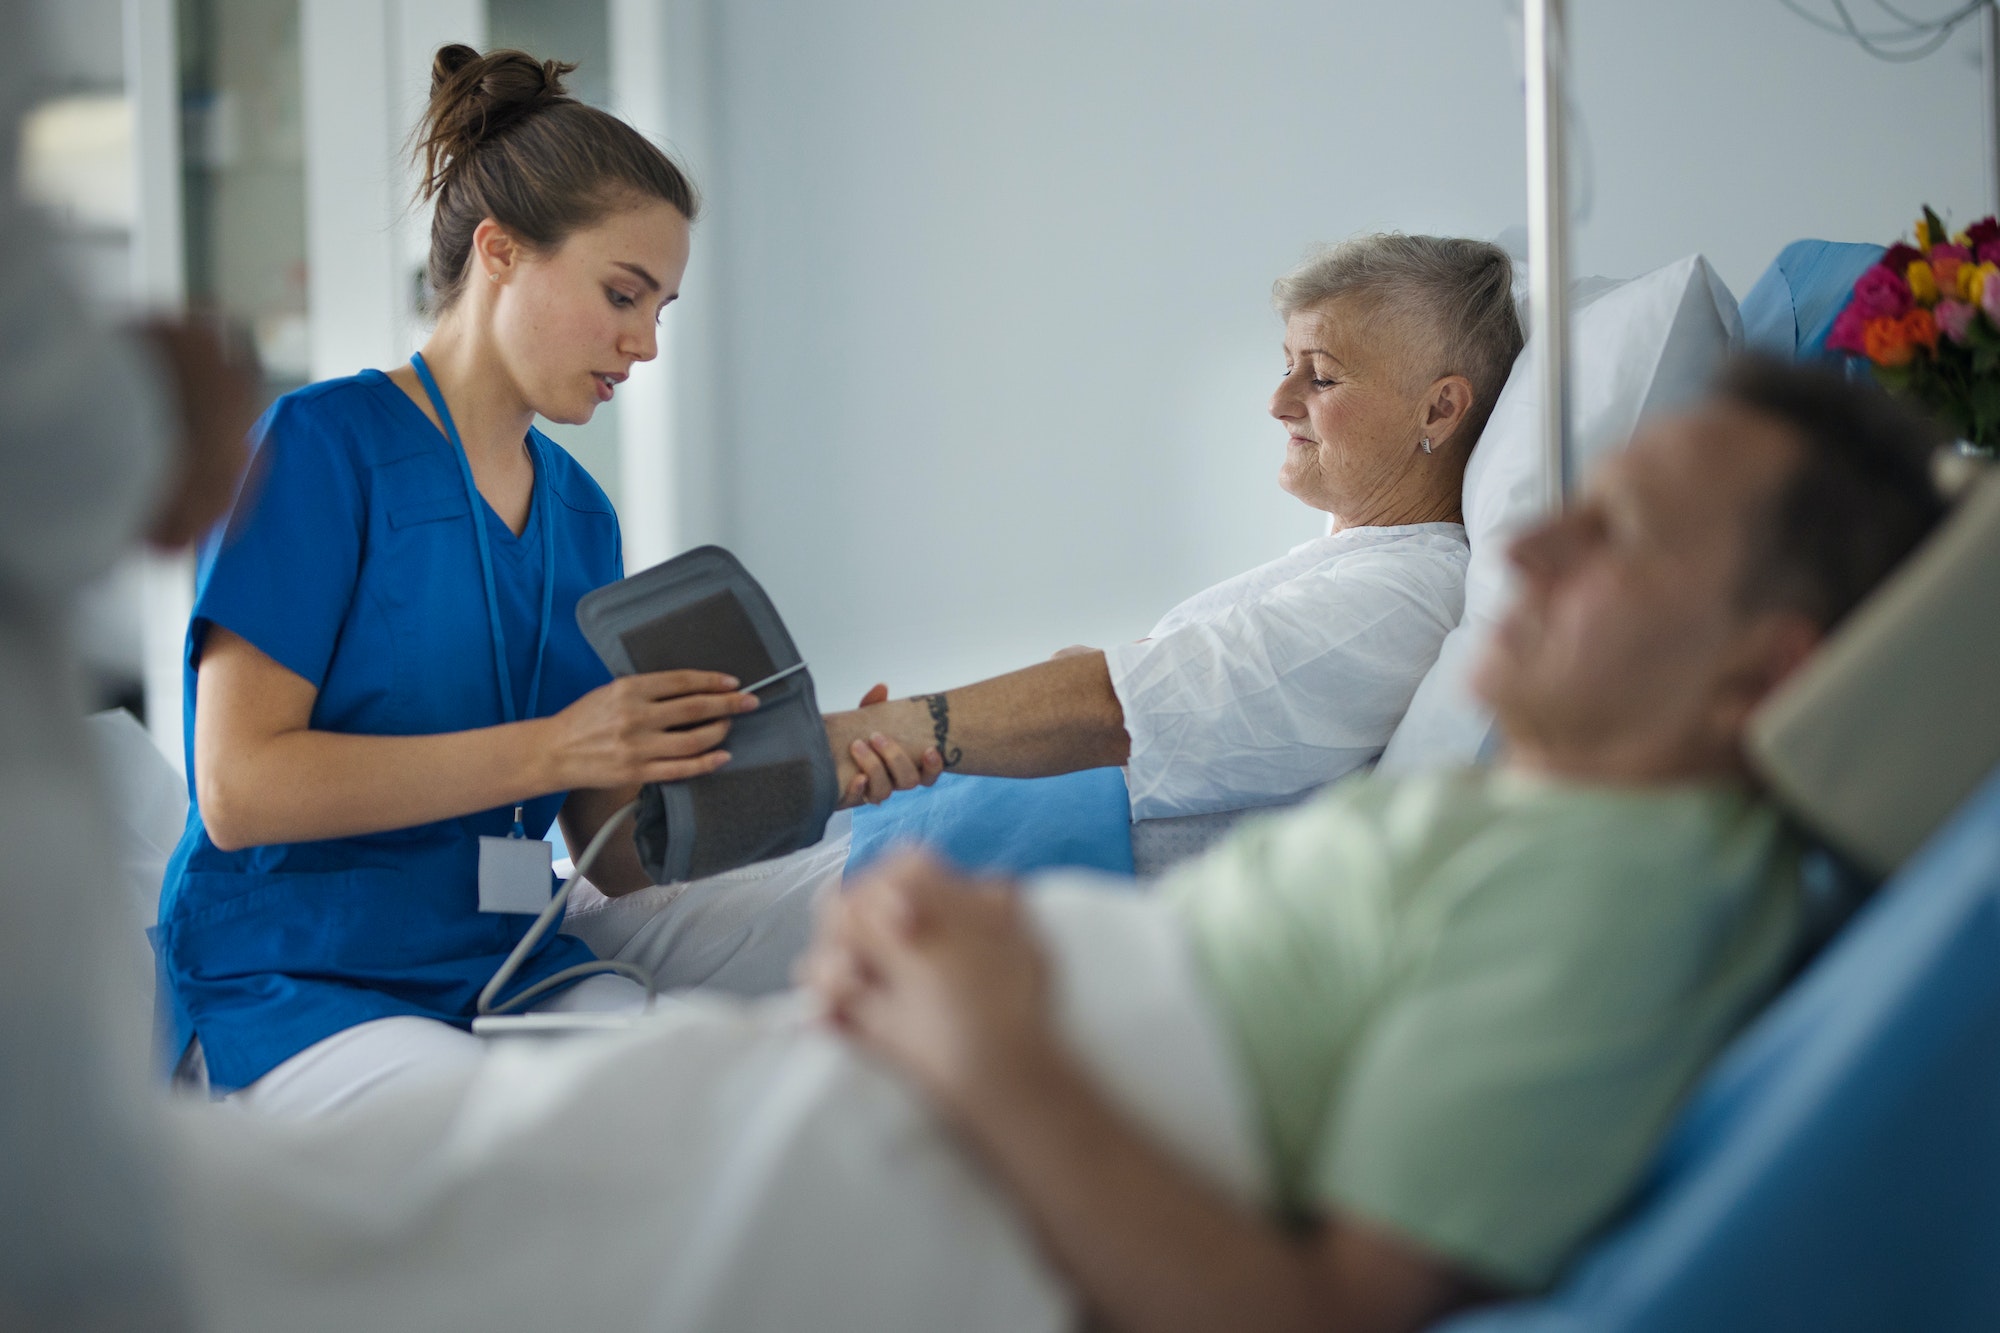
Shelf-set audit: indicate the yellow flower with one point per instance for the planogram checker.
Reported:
(1972, 280)
(1923, 284)
(1924, 237)
(1962, 238)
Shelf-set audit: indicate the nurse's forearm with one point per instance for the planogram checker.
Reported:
(306, 785)
(1053, 717)
(264, 775)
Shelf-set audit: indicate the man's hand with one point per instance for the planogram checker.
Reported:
(938, 973)
(872, 766)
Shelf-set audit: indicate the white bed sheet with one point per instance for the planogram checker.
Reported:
(722, 1165)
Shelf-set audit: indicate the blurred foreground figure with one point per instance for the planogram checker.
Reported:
(91, 462)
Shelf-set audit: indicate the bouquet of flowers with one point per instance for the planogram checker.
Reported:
(1927, 318)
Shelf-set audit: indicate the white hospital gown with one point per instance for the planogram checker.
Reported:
(1290, 675)
(1251, 693)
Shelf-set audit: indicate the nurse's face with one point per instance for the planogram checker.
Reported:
(570, 322)
(1352, 414)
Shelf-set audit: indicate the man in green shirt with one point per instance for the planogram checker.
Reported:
(1466, 1005)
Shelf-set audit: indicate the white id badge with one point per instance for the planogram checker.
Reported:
(515, 874)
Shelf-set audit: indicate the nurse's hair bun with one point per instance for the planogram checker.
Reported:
(503, 139)
(474, 97)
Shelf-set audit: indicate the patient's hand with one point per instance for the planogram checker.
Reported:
(1074, 650)
(938, 972)
(873, 766)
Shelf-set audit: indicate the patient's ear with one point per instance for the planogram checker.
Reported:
(1446, 405)
(1773, 644)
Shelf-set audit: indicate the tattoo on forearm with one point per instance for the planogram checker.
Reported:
(940, 708)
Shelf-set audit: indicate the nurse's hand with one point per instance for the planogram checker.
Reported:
(662, 726)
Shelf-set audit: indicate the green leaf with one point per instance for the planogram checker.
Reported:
(1939, 236)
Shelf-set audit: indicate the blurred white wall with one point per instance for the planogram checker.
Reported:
(982, 292)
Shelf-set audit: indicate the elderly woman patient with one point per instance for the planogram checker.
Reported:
(1250, 693)
(1290, 675)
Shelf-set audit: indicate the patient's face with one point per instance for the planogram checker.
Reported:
(1625, 653)
(1349, 408)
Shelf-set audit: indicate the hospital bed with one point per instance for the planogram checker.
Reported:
(1839, 1168)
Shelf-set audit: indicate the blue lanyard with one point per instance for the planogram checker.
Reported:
(477, 505)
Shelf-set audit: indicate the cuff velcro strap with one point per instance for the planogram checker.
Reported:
(703, 611)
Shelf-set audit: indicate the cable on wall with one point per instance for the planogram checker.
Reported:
(1912, 38)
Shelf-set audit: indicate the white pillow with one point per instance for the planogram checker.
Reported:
(1646, 345)
(147, 805)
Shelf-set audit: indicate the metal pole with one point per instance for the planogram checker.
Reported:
(1548, 235)
(1989, 27)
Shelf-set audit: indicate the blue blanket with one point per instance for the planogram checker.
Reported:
(1791, 310)
(1006, 825)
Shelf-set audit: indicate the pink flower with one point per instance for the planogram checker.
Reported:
(1849, 330)
(1987, 252)
(1989, 301)
(1954, 318)
(1881, 294)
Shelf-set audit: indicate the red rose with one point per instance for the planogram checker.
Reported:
(1899, 257)
(1881, 293)
(1849, 332)
(1984, 232)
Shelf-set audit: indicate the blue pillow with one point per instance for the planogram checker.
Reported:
(1791, 310)
(1006, 825)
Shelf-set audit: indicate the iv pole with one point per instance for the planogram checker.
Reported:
(1989, 27)
(1548, 234)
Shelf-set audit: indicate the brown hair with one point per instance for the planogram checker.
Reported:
(1861, 499)
(501, 139)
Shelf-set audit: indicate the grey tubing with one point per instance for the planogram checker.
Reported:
(547, 918)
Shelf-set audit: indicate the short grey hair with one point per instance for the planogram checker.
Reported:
(1453, 297)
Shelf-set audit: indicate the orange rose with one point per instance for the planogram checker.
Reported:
(1920, 327)
(1888, 342)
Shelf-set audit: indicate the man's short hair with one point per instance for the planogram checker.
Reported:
(1861, 499)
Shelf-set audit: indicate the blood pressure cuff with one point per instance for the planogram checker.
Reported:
(702, 611)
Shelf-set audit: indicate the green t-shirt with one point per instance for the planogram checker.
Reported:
(1468, 1004)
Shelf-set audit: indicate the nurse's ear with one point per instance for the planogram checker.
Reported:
(495, 256)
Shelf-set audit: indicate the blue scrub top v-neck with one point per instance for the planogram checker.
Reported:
(352, 558)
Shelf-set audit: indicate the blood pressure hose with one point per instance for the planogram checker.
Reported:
(488, 1001)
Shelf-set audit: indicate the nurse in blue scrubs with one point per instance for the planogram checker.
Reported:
(383, 665)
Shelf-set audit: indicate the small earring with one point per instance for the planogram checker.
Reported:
(491, 276)
(1426, 445)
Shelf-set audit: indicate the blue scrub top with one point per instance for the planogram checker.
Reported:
(349, 559)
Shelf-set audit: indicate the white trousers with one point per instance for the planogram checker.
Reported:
(334, 1073)
(738, 932)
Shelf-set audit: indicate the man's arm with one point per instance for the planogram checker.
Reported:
(1053, 717)
(942, 977)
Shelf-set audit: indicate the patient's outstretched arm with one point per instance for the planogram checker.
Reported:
(941, 975)
(1053, 717)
